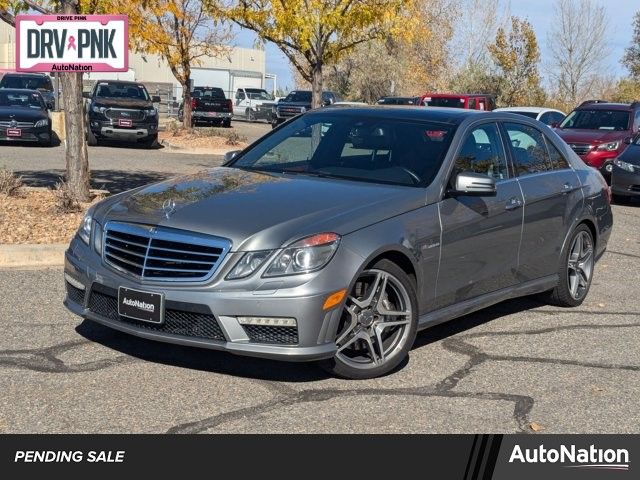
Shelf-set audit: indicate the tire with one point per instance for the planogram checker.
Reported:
(620, 199)
(226, 123)
(363, 317)
(566, 293)
(251, 116)
(151, 141)
(92, 140)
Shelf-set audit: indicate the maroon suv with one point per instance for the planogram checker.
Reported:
(597, 131)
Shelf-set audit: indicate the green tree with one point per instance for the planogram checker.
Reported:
(313, 34)
(631, 58)
(516, 55)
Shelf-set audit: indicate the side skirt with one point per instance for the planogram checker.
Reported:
(468, 306)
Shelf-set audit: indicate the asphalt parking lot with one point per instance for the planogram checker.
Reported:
(498, 370)
(115, 167)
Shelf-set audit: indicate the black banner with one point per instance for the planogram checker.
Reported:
(459, 457)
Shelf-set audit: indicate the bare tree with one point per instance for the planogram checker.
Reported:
(577, 41)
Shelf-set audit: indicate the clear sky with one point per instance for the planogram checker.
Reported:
(538, 12)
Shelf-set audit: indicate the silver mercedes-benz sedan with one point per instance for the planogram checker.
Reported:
(340, 234)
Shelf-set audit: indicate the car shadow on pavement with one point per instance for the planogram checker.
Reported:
(115, 181)
(263, 369)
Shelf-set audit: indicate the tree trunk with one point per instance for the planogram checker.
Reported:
(316, 85)
(186, 104)
(76, 155)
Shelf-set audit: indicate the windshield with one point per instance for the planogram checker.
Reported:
(354, 147)
(27, 81)
(258, 94)
(121, 90)
(12, 98)
(398, 101)
(597, 120)
(208, 93)
(451, 102)
(299, 96)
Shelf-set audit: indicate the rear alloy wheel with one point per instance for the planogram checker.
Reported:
(378, 323)
(576, 270)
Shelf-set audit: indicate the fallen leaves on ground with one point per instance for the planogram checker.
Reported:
(199, 140)
(31, 218)
(535, 426)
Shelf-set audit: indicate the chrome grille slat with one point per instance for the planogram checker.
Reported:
(5, 123)
(162, 254)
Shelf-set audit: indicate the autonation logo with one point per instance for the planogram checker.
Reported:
(148, 307)
(573, 457)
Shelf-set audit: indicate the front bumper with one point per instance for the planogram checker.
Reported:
(30, 134)
(110, 129)
(211, 115)
(316, 328)
(625, 183)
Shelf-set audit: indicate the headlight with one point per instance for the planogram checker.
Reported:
(98, 109)
(249, 263)
(624, 165)
(85, 228)
(151, 112)
(42, 123)
(608, 147)
(306, 255)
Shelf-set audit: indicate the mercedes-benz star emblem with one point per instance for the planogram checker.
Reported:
(13, 124)
(168, 207)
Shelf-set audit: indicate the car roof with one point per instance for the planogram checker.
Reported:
(527, 109)
(25, 74)
(435, 114)
(605, 106)
(123, 82)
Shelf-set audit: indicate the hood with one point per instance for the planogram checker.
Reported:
(21, 114)
(259, 211)
(631, 154)
(594, 137)
(123, 103)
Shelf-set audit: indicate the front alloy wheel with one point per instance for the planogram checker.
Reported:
(378, 323)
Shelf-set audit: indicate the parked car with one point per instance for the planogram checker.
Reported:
(121, 110)
(253, 104)
(340, 234)
(209, 106)
(597, 130)
(297, 102)
(399, 101)
(31, 81)
(480, 101)
(625, 174)
(548, 116)
(24, 116)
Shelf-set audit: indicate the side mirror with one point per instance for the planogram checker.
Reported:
(475, 184)
(155, 98)
(86, 94)
(229, 156)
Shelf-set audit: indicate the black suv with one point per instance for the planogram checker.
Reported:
(119, 110)
(297, 102)
(31, 81)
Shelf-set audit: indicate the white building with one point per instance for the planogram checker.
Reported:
(241, 67)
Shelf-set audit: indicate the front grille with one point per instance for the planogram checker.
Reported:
(270, 334)
(7, 124)
(289, 111)
(581, 148)
(75, 294)
(128, 114)
(157, 253)
(199, 323)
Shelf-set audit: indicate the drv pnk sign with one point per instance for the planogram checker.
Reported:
(72, 43)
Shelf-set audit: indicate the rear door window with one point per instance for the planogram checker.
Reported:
(529, 150)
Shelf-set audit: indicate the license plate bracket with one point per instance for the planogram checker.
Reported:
(14, 132)
(141, 305)
(123, 122)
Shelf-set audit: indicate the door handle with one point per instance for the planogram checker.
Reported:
(567, 187)
(513, 204)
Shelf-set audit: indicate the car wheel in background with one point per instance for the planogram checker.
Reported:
(92, 140)
(378, 324)
(226, 123)
(151, 141)
(576, 269)
(250, 115)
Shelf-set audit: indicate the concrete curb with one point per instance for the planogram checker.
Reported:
(32, 255)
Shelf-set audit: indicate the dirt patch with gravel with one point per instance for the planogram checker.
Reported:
(30, 217)
(216, 141)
